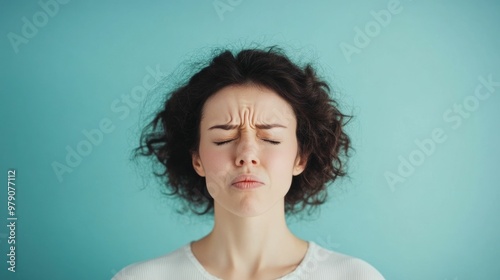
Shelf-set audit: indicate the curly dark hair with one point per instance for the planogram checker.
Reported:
(174, 133)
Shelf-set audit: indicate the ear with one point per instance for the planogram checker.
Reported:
(299, 165)
(197, 165)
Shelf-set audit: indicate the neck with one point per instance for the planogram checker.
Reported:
(251, 244)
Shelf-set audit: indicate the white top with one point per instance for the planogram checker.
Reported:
(318, 263)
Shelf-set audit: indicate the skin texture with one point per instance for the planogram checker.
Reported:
(250, 238)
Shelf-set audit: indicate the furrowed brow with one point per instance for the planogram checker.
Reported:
(224, 127)
(234, 126)
(269, 126)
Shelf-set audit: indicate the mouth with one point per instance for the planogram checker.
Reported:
(245, 182)
(247, 185)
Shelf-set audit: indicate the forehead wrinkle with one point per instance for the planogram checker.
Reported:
(246, 115)
(220, 115)
(262, 118)
(238, 106)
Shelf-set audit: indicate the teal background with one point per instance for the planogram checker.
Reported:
(440, 223)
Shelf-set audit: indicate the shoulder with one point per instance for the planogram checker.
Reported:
(174, 263)
(322, 263)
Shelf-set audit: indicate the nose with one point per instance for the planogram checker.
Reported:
(247, 152)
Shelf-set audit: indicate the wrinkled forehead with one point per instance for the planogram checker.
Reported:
(247, 103)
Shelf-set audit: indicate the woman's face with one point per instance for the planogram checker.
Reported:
(248, 149)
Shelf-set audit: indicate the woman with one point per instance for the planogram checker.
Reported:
(250, 138)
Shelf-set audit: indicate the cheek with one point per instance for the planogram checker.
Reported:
(212, 158)
(215, 164)
(279, 167)
(281, 160)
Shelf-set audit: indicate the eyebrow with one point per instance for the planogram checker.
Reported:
(234, 126)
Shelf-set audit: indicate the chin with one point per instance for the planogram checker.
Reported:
(249, 206)
(249, 211)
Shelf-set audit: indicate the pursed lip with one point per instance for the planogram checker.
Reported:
(246, 179)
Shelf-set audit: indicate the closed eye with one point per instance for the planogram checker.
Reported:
(272, 142)
(223, 142)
